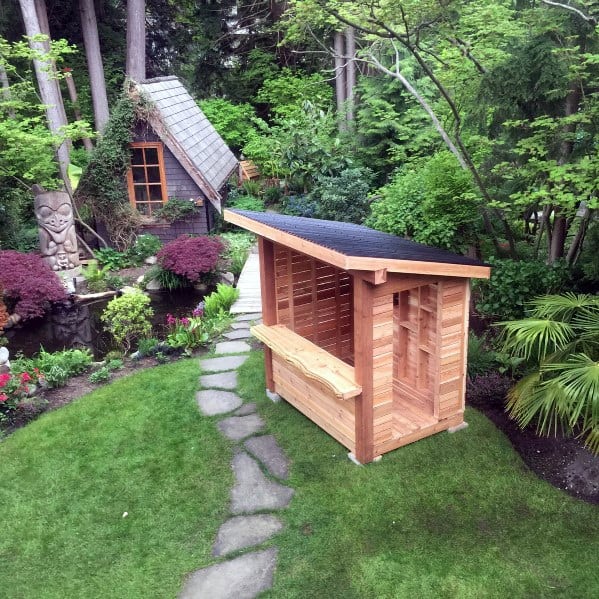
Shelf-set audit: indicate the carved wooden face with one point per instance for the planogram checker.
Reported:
(53, 211)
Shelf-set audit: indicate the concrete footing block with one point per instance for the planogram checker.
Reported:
(274, 397)
(352, 458)
(458, 427)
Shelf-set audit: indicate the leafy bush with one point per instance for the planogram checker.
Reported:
(232, 121)
(299, 205)
(176, 209)
(191, 257)
(559, 340)
(102, 375)
(238, 246)
(29, 284)
(272, 194)
(95, 277)
(112, 259)
(127, 318)
(514, 283)
(14, 387)
(481, 359)
(245, 202)
(145, 245)
(186, 333)
(166, 278)
(220, 301)
(55, 367)
(343, 197)
(432, 202)
(147, 347)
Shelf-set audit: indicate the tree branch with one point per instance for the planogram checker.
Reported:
(587, 18)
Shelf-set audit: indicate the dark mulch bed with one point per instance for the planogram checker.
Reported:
(562, 461)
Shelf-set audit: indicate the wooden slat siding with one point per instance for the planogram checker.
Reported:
(314, 300)
(269, 301)
(452, 346)
(334, 416)
(363, 331)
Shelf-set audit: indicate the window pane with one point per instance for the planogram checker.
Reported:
(153, 174)
(141, 194)
(155, 192)
(139, 174)
(137, 156)
(151, 156)
(143, 208)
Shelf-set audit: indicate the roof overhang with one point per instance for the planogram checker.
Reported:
(359, 263)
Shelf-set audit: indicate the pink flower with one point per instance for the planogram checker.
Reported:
(4, 378)
(3, 397)
(170, 320)
(25, 377)
(185, 321)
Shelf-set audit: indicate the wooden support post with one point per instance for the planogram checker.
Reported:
(268, 292)
(363, 349)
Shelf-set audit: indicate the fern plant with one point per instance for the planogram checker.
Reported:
(560, 341)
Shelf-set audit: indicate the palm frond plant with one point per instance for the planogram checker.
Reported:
(559, 340)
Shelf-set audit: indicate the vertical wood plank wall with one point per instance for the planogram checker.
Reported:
(314, 299)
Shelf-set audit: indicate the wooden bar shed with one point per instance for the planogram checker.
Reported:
(364, 332)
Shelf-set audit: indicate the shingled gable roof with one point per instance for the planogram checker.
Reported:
(188, 134)
(355, 247)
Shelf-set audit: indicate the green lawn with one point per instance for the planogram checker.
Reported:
(449, 516)
(139, 446)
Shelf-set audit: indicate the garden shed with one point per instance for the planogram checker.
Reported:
(364, 332)
(175, 153)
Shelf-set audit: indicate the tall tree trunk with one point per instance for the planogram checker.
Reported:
(91, 41)
(6, 94)
(48, 91)
(350, 71)
(42, 17)
(560, 222)
(136, 40)
(87, 142)
(339, 79)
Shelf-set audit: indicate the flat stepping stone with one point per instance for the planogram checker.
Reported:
(248, 408)
(214, 401)
(232, 347)
(237, 428)
(241, 532)
(267, 450)
(220, 364)
(238, 334)
(244, 577)
(252, 491)
(220, 380)
(248, 317)
(244, 324)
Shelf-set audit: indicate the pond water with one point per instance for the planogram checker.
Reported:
(72, 325)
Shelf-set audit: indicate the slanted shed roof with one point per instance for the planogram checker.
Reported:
(355, 247)
(190, 136)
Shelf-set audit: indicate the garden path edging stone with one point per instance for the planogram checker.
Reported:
(250, 574)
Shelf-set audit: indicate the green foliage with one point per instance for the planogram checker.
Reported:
(238, 246)
(234, 122)
(95, 277)
(145, 245)
(147, 346)
(102, 375)
(188, 333)
(559, 339)
(220, 301)
(246, 202)
(55, 367)
(102, 186)
(288, 92)
(127, 318)
(176, 209)
(513, 284)
(343, 197)
(167, 279)
(432, 202)
(112, 259)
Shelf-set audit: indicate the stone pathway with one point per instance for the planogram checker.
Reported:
(258, 465)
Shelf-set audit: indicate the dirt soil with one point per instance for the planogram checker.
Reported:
(562, 461)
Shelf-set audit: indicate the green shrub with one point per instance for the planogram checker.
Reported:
(167, 279)
(220, 301)
(344, 197)
(244, 202)
(145, 245)
(147, 347)
(237, 250)
(56, 367)
(176, 209)
(102, 375)
(127, 318)
(514, 283)
(111, 259)
(272, 195)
